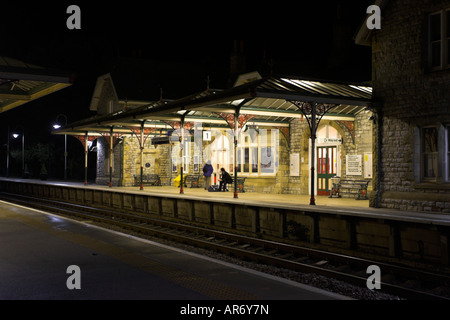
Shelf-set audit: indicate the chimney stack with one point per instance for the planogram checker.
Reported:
(237, 61)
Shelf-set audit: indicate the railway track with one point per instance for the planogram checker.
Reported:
(402, 281)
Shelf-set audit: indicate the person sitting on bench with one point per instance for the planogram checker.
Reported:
(224, 180)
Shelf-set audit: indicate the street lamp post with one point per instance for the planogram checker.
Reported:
(56, 126)
(15, 136)
(7, 156)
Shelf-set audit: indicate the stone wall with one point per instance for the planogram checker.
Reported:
(299, 138)
(361, 144)
(411, 97)
(103, 165)
(158, 159)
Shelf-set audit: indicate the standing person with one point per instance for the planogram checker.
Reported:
(207, 172)
(225, 179)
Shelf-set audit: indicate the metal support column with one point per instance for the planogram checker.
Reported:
(142, 143)
(313, 155)
(182, 156)
(313, 113)
(111, 147)
(7, 156)
(65, 157)
(23, 153)
(236, 124)
(236, 139)
(86, 151)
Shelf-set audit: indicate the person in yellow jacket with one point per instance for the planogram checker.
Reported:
(177, 181)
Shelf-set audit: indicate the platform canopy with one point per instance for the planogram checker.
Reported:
(267, 101)
(21, 83)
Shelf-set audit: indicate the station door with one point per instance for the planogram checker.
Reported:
(326, 169)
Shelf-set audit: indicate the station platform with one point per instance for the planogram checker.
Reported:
(346, 206)
(346, 226)
(37, 248)
(269, 198)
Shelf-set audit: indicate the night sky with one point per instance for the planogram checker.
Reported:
(302, 39)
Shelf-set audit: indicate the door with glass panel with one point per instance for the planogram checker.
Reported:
(326, 169)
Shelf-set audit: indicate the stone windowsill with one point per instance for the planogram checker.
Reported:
(432, 185)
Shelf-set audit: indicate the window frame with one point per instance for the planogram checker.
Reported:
(446, 165)
(424, 153)
(257, 144)
(274, 141)
(186, 157)
(221, 149)
(246, 142)
(444, 40)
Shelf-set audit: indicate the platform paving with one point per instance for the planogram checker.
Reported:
(37, 249)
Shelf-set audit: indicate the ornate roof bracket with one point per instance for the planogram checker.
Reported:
(137, 133)
(286, 131)
(176, 125)
(313, 112)
(350, 127)
(82, 139)
(107, 137)
(230, 119)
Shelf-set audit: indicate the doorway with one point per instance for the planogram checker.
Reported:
(326, 169)
(328, 158)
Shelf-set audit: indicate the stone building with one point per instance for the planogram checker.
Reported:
(274, 149)
(133, 83)
(411, 82)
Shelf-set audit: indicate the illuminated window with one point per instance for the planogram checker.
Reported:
(257, 152)
(222, 152)
(430, 154)
(269, 145)
(176, 156)
(186, 157)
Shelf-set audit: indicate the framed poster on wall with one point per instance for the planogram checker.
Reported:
(354, 165)
(196, 164)
(295, 165)
(368, 166)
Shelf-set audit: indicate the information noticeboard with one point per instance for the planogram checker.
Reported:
(295, 165)
(354, 165)
(368, 166)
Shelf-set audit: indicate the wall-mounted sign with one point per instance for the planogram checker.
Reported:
(368, 166)
(331, 140)
(354, 165)
(207, 135)
(295, 165)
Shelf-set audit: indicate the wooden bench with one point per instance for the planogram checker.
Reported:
(359, 186)
(148, 180)
(193, 181)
